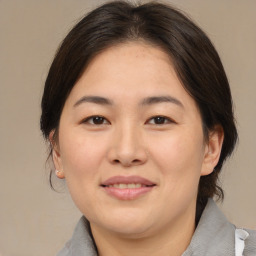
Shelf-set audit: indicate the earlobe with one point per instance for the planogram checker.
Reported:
(213, 150)
(59, 174)
(56, 156)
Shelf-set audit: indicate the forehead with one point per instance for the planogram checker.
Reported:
(131, 71)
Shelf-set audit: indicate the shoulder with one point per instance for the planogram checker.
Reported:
(250, 243)
(81, 243)
(215, 235)
(66, 250)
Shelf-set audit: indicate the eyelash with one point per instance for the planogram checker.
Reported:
(93, 118)
(166, 120)
(103, 121)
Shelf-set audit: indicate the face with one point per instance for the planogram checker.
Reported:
(130, 143)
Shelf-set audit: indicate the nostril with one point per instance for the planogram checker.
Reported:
(127, 163)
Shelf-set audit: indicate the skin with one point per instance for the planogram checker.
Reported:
(128, 141)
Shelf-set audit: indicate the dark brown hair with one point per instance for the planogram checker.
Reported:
(195, 60)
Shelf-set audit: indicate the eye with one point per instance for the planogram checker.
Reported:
(96, 120)
(160, 120)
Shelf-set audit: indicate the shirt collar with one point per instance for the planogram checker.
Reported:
(213, 236)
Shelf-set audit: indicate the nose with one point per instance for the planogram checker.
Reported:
(127, 147)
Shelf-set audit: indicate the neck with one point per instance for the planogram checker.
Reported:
(172, 240)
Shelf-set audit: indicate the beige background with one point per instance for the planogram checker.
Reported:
(37, 221)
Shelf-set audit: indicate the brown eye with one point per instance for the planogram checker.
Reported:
(96, 120)
(159, 120)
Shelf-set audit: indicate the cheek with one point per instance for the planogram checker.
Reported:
(179, 147)
(179, 157)
(81, 155)
(82, 158)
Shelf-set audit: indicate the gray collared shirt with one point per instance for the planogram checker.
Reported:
(214, 236)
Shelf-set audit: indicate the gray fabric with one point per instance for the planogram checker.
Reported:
(250, 243)
(214, 236)
(81, 243)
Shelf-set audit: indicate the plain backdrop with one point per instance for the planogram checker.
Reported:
(34, 220)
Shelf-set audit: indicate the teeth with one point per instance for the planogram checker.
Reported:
(124, 186)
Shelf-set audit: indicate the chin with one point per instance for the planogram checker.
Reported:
(130, 230)
(128, 223)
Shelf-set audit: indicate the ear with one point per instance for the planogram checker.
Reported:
(56, 156)
(212, 150)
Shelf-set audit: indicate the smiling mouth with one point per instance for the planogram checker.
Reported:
(129, 186)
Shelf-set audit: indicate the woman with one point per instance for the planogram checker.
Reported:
(138, 112)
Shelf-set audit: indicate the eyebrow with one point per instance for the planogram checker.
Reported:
(147, 101)
(93, 99)
(161, 99)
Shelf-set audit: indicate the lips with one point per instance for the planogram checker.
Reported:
(127, 187)
(127, 180)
